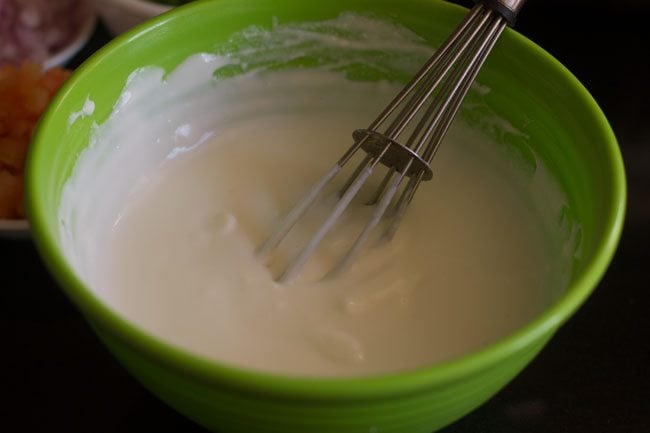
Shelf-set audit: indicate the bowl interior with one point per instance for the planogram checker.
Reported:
(535, 93)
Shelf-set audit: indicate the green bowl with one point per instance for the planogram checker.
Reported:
(535, 92)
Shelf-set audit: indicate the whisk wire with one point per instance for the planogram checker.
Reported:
(442, 83)
(341, 205)
(432, 74)
(428, 66)
(476, 63)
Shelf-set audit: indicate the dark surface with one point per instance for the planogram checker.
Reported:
(592, 377)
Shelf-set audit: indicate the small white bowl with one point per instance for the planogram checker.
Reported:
(121, 15)
(84, 33)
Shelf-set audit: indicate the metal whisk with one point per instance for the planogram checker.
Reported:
(406, 135)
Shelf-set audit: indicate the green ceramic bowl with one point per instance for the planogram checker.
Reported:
(567, 130)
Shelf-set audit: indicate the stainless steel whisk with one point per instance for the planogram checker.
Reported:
(405, 136)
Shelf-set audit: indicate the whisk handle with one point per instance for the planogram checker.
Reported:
(509, 9)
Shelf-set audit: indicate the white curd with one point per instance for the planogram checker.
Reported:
(194, 171)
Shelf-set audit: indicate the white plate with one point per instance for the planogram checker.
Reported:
(14, 229)
(20, 228)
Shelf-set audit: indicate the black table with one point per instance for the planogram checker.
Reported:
(591, 378)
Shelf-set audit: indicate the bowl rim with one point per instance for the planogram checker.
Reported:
(340, 388)
(80, 39)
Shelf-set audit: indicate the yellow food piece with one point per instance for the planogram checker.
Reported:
(25, 91)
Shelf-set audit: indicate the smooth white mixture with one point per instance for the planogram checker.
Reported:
(194, 171)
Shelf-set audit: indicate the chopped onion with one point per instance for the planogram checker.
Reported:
(37, 29)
